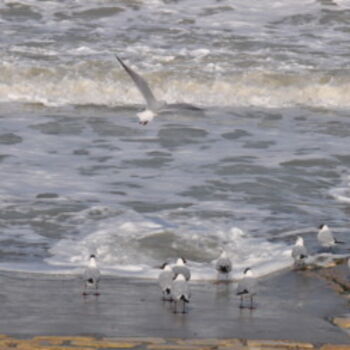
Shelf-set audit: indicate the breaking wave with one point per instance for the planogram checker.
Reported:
(104, 84)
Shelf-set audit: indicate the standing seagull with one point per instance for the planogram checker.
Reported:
(223, 264)
(299, 252)
(181, 268)
(153, 105)
(91, 276)
(247, 288)
(325, 237)
(165, 279)
(180, 292)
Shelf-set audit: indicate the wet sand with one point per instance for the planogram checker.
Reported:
(290, 306)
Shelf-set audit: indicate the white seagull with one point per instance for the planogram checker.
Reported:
(325, 237)
(181, 268)
(247, 288)
(165, 280)
(299, 252)
(223, 264)
(180, 292)
(153, 106)
(91, 276)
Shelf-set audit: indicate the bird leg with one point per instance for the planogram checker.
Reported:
(84, 293)
(97, 293)
(183, 307)
(251, 303)
(164, 296)
(175, 306)
(241, 306)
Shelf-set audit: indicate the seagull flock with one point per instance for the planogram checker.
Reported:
(174, 279)
(325, 239)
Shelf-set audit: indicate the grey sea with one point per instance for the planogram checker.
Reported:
(267, 157)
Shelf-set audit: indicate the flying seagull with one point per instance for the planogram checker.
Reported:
(180, 292)
(247, 288)
(153, 106)
(91, 276)
(181, 268)
(165, 280)
(299, 252)
(223, 264)
(325, 237)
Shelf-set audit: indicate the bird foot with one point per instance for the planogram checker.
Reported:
(144, 122)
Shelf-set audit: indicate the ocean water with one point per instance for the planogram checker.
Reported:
(266, 159)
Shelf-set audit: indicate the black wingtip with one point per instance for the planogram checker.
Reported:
(245, 291)
(224, 269)
(118, 58)
(183, 298)
(120, 61)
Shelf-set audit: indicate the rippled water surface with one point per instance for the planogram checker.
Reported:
(266, 158)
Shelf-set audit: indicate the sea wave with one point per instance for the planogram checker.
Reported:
(99, 83)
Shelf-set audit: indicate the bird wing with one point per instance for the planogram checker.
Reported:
(92, 273)
(165, 279)
(246, 286)
(179, 289)
(299, 252)
(141, 84)
(326, 237)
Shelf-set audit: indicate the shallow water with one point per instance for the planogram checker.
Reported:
(267, 159)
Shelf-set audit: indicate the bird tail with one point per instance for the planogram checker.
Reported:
(339, 242)
(91, 280)
(184, 298)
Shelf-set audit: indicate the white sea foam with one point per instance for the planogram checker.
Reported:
(121, 250)
(342, 192)
(102, 84)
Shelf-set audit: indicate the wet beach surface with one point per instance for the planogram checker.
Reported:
(290, 306)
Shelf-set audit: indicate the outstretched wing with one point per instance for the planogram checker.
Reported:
(141, 84)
